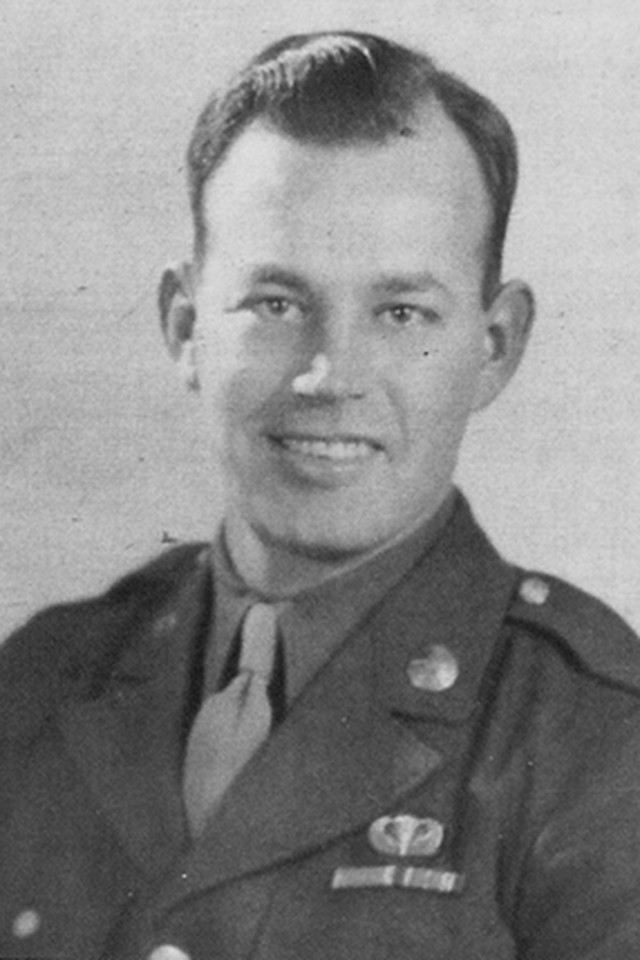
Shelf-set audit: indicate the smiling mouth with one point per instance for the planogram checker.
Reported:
(334, 450)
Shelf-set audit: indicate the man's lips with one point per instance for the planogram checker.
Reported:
(336, 448)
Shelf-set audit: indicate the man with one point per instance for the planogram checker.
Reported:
(347, 729)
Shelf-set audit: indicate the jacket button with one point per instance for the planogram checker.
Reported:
(203, 558)
(26, 924)
(168, 952)
(436, 672)
(534, 590)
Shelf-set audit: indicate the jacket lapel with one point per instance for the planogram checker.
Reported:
(343, 757)
(337, 761)
(127, 741)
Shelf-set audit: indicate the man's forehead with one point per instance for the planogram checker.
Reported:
(409, 203)
(431, 154)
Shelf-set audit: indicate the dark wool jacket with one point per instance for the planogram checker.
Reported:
(522, 779)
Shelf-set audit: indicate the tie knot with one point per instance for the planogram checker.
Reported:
(259, 634)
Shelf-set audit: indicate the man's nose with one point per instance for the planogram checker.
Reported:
(335, 366)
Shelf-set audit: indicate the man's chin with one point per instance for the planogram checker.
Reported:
(319, 546)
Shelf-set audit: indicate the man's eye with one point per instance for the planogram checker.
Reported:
(402, 314)
(276, 308)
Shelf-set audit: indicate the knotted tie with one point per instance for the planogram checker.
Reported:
(233, 723)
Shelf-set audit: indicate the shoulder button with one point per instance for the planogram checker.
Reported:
(168, 952)
(534, 590)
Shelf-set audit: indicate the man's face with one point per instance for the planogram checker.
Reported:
(371, 256)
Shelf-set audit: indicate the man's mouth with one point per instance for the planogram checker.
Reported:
(333, 449)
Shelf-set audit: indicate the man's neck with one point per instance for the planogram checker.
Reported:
(278, 570)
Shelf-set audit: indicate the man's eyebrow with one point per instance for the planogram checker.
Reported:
(279, 276)
(421, 282)
(394, 284)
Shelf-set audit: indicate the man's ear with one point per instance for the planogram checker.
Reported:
(508, 323)
(178, 319)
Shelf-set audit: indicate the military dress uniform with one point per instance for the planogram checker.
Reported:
(460, 779)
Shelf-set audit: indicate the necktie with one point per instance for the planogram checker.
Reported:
(233, 723)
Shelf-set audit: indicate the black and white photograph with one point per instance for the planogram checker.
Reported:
(320, 480)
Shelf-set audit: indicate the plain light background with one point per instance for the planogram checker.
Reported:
(99, 454)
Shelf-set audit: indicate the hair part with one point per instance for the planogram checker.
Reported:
(346, 88)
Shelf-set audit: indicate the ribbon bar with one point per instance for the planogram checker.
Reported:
(415, 878)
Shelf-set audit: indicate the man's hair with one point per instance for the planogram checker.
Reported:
(346, 88)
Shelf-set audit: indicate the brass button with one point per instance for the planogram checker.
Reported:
(168, 952)
(436, 672)
(26, 924)
(534, 590)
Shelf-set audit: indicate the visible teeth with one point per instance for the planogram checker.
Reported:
(329, 449)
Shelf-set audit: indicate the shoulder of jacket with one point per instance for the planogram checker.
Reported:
(603, 643)
(141, 587)
(55, 651)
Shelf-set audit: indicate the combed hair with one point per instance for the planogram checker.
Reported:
(345, 88)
